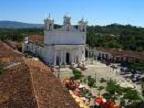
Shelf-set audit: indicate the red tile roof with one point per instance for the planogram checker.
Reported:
(32, 85)
(48, 89)
(16, 88)
(8, 54)
(12, 44)
(36, 38)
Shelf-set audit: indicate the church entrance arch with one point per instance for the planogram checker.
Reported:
(57, 60)
(67, 58)
(86, 53)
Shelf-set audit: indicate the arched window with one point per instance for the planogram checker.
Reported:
(50, 26)
(83, 30)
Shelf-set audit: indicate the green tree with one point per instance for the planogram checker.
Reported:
(131, 95)
(116, 36)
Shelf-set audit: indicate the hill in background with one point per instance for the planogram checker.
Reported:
(21, 25)
(18, 25)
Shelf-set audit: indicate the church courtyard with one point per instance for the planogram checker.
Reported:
(98, 71)
(102, 74)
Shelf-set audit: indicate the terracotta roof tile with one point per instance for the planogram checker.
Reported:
(16, 88)
(48, 89)
(32, 85)
(8, 54)
(36, 38)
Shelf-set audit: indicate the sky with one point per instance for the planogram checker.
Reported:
(96, 12)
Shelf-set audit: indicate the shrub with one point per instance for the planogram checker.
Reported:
(84, 80)
(77, 74)
(100, 88)
(102, 80)
(131, 95)
(107, 96)
(113, 88)
(91, 81)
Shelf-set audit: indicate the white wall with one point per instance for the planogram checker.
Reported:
(64, 37)
(75, 51)
(48, 53)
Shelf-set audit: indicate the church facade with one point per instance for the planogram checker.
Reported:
(62, 46)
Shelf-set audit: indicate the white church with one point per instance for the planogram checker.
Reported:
(62, 46)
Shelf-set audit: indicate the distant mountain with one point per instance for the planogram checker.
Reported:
(18, 25)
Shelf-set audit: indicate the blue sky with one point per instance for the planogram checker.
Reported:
(97, 12)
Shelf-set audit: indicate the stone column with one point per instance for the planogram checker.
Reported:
(79, 56)
(64, 57)
(61, 57)
(55, 58)
(72, 57)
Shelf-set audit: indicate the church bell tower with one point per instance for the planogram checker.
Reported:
(49, 24)
(67, 23)
(82, 25)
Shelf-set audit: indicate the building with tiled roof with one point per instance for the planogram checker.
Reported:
(30, 84)
(121, 55)
(36, 38)
(116, 54)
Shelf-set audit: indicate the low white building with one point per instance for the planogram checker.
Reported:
(62, 46)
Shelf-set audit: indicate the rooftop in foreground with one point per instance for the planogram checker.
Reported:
(30, 84)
